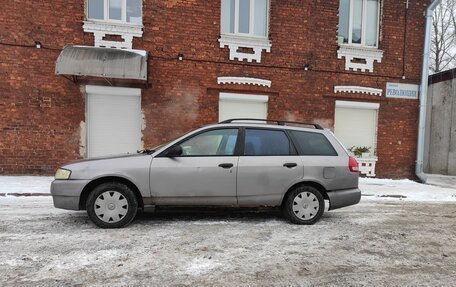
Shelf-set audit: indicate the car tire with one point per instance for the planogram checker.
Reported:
(303, 205)
(111, 205)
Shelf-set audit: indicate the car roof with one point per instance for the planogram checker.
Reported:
(266, 121)
(265, 125)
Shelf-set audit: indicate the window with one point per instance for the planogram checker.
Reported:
(313, 144)
(233, 106)
(358, 22)
(266, 143)
(356, 123)
(128, 11)
(245, 17)
(216, 142)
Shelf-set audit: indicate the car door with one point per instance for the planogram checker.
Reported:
(203, 174)
(268, 167)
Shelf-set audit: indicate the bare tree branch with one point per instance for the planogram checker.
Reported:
(443, 39)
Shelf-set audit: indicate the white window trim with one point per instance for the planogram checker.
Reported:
(243, 80)
(106, 19)
(251, 22)
(369, 55)
(237, 40)
(101, 28)
(367, 165)
(363, 28)
(351, 51)
(357, 105)
(243, 97)
(358, 89)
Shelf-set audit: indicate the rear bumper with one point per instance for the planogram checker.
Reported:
(66, 193)
(342, 198)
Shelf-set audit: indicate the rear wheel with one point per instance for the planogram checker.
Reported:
(304, 205)
(112, 205)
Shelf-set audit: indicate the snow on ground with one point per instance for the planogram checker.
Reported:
(25, 184)
(372, 188)
(374, 243)
(396, 236)
(404, 189)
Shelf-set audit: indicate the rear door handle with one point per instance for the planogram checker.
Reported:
(290, 164)
(226, 165)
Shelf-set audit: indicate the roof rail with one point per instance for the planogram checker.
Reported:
(278, 122)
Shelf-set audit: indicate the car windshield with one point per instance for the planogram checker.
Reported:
(154, 149)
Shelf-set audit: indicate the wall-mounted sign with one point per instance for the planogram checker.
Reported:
(403, 91)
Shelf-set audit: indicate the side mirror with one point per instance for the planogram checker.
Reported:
(175, 150)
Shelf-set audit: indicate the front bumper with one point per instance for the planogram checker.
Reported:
(342, 198)
(66, 193)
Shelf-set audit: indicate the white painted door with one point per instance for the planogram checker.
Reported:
(355, 124)
(113, 120)
(242, 106)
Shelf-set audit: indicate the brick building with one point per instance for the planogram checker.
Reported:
(169, 66)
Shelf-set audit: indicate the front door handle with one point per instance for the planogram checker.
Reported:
(290, 164)
(226, 165)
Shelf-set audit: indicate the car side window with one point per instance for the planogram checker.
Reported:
(261, 142)
(315, 144)
(211, 143)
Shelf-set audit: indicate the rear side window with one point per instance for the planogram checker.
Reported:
(266, 142)
(313, 144)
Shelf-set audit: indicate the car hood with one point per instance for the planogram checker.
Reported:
(108, 157)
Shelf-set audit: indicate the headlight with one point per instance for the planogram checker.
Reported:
(62, 173)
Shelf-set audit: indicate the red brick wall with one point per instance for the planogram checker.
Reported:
(40, 113)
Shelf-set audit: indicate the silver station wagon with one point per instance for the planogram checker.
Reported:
(235, 163)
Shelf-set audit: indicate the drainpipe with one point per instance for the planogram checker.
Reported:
(423, 93)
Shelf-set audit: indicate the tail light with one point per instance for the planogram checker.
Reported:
(353, 164)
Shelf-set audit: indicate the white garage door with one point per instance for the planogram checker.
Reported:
(113, 120)
(242, 106)
(355, 124)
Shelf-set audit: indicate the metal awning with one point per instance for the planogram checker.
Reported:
(102, 62)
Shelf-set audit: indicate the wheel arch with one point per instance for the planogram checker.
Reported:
(313, 184)
(96, 182)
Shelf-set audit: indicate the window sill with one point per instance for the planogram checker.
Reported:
(113, 23)
(102, 28)
(234, 42)
(359, 58)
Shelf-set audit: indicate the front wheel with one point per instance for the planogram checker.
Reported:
(304, 205)
(112, 205)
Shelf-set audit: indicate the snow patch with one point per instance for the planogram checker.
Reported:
(25, 184)
(403, 190)
(200, 266)
(82, 258)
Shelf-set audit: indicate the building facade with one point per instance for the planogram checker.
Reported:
(87, 78)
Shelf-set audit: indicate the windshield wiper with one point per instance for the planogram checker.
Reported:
(146, 150)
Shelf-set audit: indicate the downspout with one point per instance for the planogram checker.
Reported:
(423, 92)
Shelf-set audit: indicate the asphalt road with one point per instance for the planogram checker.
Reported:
(372, 244)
